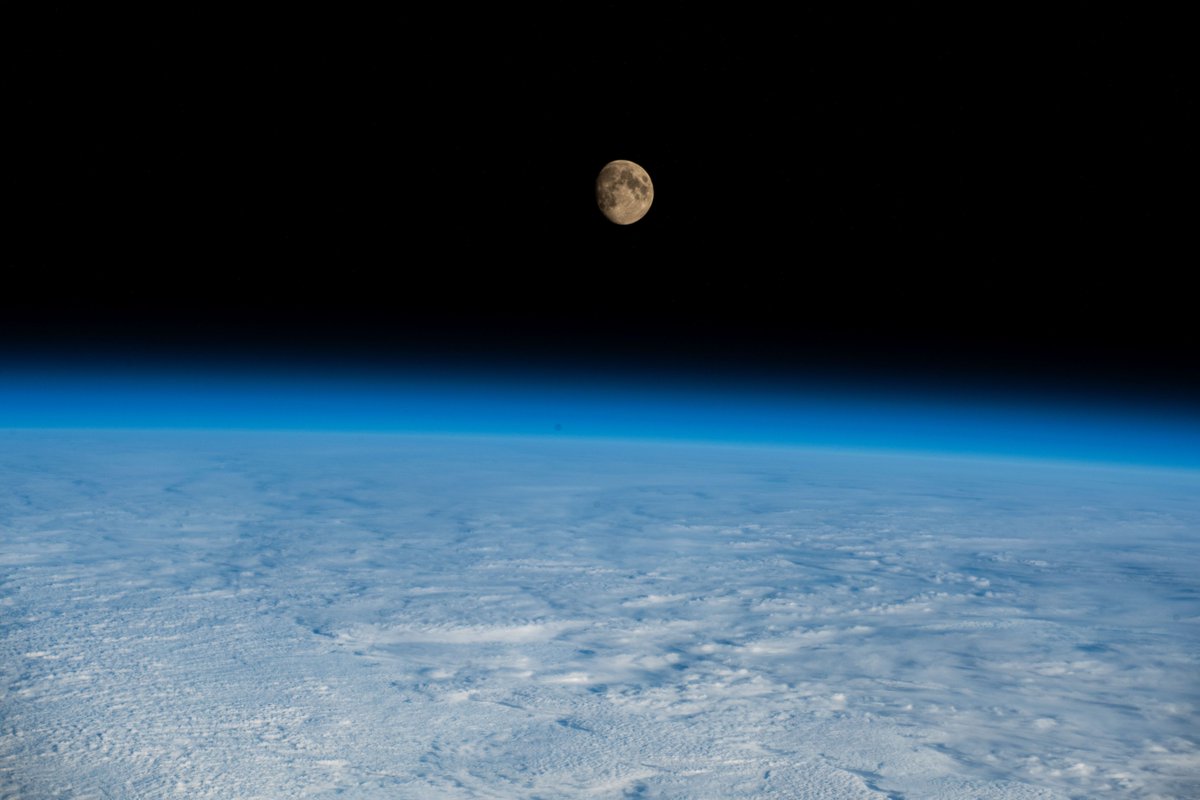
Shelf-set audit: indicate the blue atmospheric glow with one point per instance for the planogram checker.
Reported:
(863, 417)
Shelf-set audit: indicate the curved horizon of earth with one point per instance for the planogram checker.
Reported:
(262, 614)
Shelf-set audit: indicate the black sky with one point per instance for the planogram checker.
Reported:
(979, 195)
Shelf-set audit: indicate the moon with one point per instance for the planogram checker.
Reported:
(624, 192)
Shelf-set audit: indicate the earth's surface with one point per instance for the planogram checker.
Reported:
(253, 615)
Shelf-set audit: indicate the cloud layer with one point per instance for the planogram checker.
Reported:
(268, 615)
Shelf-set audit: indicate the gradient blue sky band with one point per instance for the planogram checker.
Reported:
(819, 415)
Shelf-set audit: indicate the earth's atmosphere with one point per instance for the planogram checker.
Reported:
(267, 615)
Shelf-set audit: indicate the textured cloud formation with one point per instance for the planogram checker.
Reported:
(273, 615)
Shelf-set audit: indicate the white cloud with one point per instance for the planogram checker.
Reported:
(264, 615)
